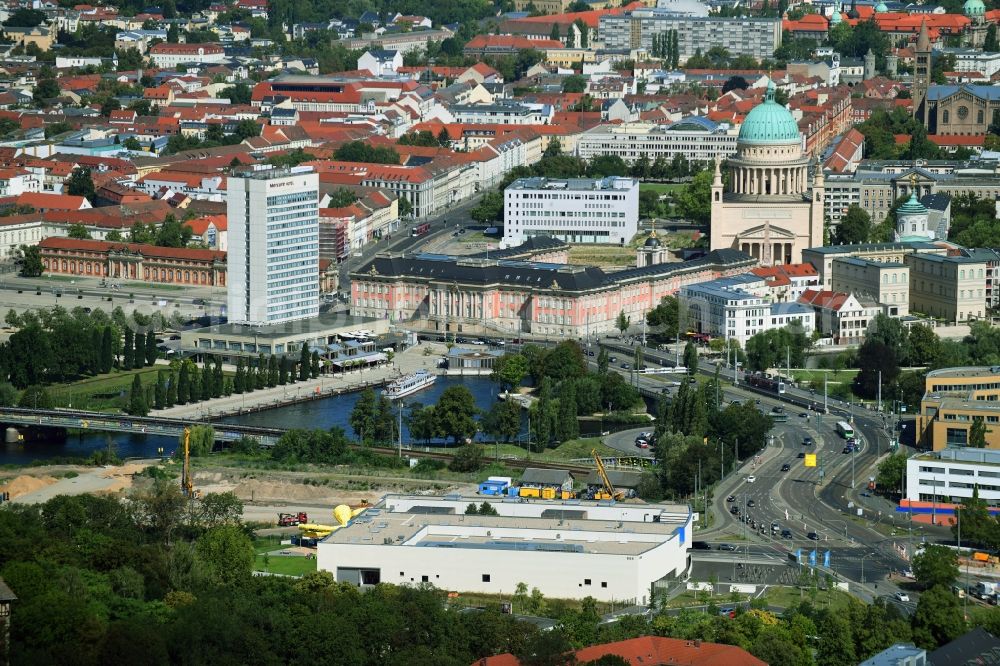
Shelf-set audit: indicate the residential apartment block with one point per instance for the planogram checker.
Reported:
(757, 37)
(576, 210)
(696, 138)
(170, 55)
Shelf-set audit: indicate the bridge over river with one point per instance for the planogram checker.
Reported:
(138, 425)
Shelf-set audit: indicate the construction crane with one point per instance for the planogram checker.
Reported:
(609, 491)
(187, 486)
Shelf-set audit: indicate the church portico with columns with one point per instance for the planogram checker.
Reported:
(771, 211)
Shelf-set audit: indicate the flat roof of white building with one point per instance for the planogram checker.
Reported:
(542, 525)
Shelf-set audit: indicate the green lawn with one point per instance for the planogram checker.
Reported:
(661, 188)
(575, 448)
(288, 565)
(101, 393)
(845, 376)
(780, 596)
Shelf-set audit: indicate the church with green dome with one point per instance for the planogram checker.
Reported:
(771, 208)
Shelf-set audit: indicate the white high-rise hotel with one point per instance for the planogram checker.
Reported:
(273, 261)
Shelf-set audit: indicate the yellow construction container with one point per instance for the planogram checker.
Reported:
(566, 494)
(548, 493)
(529, 492)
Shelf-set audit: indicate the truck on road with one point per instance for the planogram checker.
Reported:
(986, 590)
(292, 519)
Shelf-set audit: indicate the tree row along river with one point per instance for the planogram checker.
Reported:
(325, 413)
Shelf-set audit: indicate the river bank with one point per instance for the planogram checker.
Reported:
(425, 356)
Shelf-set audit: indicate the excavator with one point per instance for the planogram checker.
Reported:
(608, 492)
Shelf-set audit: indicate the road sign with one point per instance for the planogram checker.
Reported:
(810, 460)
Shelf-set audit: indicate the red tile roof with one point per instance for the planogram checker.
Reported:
(828, 300)
(199, 225)
(185, 49)
(48, 201)
(511, 42)
(188, 253)
(808, 23)
(845, 149)
(654, 651)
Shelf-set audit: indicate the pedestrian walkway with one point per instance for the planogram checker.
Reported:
(325, 385)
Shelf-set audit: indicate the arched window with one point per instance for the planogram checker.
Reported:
(944, 117)
(979, 116)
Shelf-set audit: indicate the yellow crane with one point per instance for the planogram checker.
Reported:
(187, 485)
(609, 491)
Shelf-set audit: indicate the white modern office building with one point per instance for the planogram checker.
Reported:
(734, 308)
(577, 210)
(567, 549)
(273, 256)
(697, 138)
(951, 474)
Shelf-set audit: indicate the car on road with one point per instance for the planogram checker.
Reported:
(802, 454)
(807, 441)
(751, 478)
(735, 510)
(785, 467)
(786, 533)
(751, 503)
(804, 415)
(731, 498)
(812, 536)
(727, 546)
(613, 359)
(626, 366)
(848, 449)
(175, 337)
(642, 444)
(902, 596)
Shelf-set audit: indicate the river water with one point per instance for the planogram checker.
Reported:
(325, 413)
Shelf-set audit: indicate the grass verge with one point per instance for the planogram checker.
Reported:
(102, 393)
(601, 255)
(574, 448)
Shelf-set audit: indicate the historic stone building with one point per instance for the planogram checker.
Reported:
(953, 109)
(770, 212)
(132, 261)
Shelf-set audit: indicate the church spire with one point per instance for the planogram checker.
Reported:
(924, 38)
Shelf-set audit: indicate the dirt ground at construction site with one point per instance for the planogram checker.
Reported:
(265, 493)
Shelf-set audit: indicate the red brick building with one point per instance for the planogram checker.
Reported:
(132, 261)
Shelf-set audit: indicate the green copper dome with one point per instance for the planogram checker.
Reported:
(836, 18)
(974, 8)
(769, 123)
(912, 207)
(882, 8)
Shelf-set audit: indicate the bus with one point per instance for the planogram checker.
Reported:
(845, 430)
(420, 229)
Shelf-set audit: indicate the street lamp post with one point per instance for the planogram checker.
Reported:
(863, 557)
